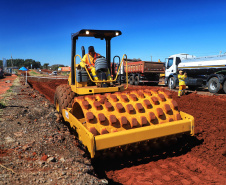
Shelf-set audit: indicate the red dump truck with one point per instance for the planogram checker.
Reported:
(142, 72)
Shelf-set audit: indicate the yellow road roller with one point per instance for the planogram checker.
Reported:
(110, 118)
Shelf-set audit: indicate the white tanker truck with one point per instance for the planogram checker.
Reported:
(202, 72)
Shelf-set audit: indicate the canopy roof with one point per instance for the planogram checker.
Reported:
(23, 69)
(102, 34)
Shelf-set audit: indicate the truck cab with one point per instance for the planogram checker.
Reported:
(172, 68)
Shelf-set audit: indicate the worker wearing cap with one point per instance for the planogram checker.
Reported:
(89, 60)
(182, 84)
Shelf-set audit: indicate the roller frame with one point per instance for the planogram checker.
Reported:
(96, 90)
(100, 142)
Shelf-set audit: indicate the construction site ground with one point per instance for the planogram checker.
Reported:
(37, 148)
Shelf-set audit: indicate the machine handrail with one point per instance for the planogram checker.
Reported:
(126, 70)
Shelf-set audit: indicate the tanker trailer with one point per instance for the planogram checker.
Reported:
(209, 71)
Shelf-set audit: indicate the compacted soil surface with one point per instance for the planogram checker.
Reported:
(37, 148)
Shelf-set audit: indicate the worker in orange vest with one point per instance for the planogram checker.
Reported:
(89, 60)
(182, 84)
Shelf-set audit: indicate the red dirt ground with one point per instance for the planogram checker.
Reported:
(5, 86)
(201, 160)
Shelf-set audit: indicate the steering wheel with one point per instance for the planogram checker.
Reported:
(101, 64)
(100, 56)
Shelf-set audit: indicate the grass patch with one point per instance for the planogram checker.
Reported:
(34, 73)
(1, 112)
(6, 96)
(9, 90)
(2, 105)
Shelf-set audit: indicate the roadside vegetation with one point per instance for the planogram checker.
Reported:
(35, 73)
(29, 64)
(5, 97)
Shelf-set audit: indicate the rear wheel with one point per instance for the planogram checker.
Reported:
(63, 97)
(136, 80)
(171, 83)
(131, 80)
(224, 87)
(214, 85)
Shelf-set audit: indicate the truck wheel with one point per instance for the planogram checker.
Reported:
(224, 87)
(136, 80)
(214, 85)
(172, 83)
(122, 79)
(131, 80)
(63, 97)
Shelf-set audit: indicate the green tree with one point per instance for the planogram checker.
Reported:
(45, 65)
(22, 63)
(56, 66)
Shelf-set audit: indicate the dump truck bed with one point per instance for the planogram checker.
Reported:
(145, 67)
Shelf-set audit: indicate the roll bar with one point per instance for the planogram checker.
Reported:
(101, 34)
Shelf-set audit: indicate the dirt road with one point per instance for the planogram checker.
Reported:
(197, 160)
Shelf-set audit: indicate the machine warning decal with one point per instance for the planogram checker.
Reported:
(66, 114)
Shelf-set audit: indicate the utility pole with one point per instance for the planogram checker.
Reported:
(12, 63)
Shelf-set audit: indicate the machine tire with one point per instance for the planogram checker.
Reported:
(136, 80)
(214, 85)
(173, 83)
(131, 80)
(224, 87)
(63, 97)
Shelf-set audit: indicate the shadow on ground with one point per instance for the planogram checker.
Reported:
(181, 147)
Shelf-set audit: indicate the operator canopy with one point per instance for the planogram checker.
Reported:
(97, 33)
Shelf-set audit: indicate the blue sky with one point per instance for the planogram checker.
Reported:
(41, 29)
